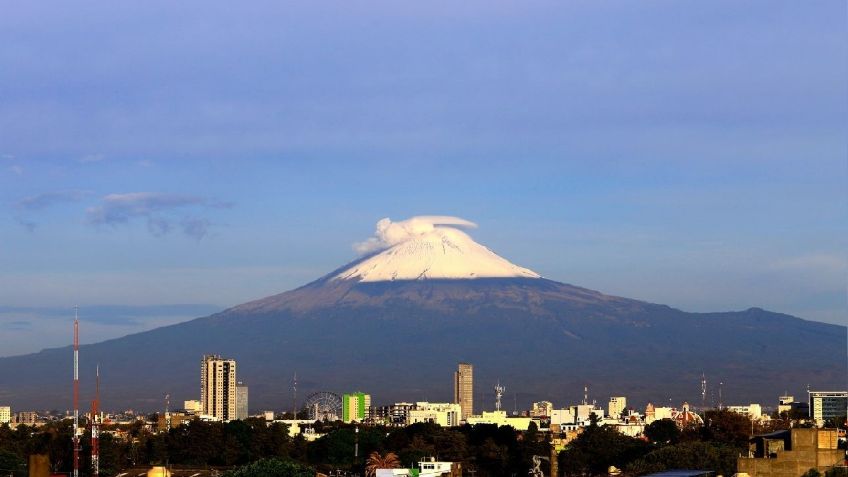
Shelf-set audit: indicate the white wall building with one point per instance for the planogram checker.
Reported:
(542, 409)
(579, 415)
(441, 413)
(753, 411)
(500, 418)
(617, 405)
(5, 414)
(193, 406)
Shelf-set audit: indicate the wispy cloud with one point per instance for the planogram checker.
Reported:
(821, 262)
(92, 158)
(33, 203)
(46, 199)
(162, 212)
(17, 170)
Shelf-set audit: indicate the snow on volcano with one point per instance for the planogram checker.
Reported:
(428, 247)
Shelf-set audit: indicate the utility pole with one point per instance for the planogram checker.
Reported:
(356, 445)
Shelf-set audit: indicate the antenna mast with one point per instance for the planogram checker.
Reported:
(499, 390)
(703, 392)
(167, 413)
(95, 429)
(76, 436)
(294, 396)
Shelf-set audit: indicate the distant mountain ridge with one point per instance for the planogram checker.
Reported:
(401, 340)
(367, 327)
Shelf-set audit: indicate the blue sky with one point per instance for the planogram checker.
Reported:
(681, 152)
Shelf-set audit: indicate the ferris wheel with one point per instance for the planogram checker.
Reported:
(324, 406)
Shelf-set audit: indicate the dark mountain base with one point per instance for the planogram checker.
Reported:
(400, 341)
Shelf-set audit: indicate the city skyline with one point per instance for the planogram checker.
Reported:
(424, 239)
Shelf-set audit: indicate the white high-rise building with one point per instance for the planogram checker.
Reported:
(218, 387)
(5, 414)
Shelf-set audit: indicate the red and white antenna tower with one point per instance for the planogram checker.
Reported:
(76, 436)
(95, 429)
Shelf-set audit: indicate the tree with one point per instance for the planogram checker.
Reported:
(663, 431)
(272, 468)
(11, 463)
(599, 447)
(727, 428)
(688, 455)
(376, 461)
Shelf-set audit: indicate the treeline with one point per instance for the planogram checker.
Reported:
(485, 449)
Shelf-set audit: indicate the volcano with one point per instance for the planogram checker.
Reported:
(424, 296)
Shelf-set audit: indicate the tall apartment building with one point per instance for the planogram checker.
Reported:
(5, 414)
(218, 387)
(617, 405)
(355, 406)
(242, 411)
(463, 389)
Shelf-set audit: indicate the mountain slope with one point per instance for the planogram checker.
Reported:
(401, 340)
(423, 297)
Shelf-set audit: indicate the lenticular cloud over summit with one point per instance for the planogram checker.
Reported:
(390, 233)
(427, 246)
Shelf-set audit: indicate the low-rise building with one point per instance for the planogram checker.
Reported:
(542, 409)
(29, 418)
(791, 453)
(579, 415)
(426, 468)
(784, 403)
(500, 418)
(826, 405)
(753, 411)
(193, 406)
(443, 414)
(617, 405)
(173, 420)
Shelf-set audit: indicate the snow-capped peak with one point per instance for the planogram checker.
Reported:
(428, 247)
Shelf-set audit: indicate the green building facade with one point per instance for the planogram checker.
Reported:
(355, 406)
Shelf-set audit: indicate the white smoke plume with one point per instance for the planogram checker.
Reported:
(390, 233)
